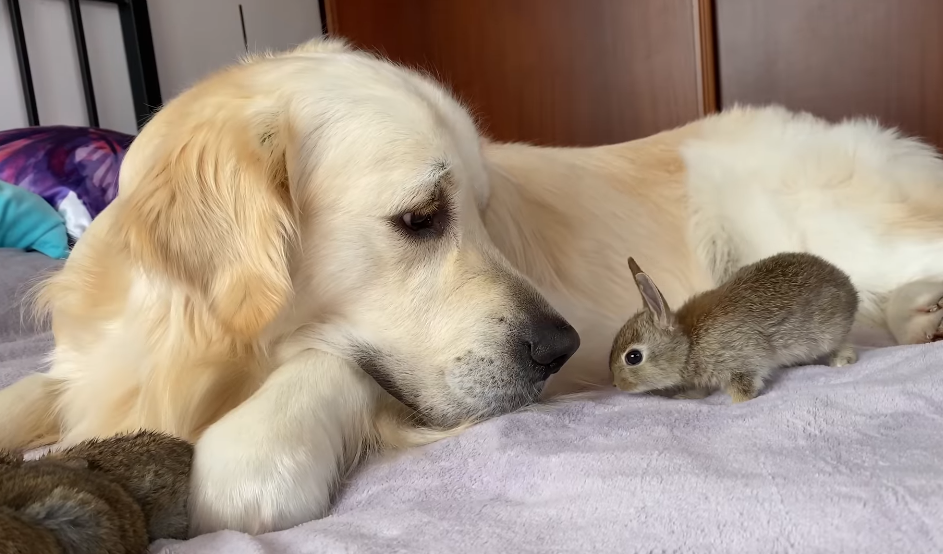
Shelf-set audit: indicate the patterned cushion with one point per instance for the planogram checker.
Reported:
(75, 169)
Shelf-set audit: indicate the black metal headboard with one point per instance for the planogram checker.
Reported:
(138, 47)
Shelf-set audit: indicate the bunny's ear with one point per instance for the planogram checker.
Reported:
(634, 267)
(651, 296)
(654, 301)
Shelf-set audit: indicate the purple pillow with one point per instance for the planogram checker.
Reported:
(75, 169)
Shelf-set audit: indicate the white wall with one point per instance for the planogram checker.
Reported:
(12, 113)
(195, 37)
(55, 66)
(279, 24)
(191, 38)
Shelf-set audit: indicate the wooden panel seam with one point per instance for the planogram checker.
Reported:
(705, 54)
(331, 14)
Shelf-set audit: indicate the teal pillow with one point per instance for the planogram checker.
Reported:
(28, 222)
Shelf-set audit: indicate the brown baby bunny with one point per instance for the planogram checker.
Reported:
(785, 310)
(107, 496)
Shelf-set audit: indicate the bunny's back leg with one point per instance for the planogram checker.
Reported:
(842, 356)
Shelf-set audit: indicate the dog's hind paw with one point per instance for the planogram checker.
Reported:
(914, 312)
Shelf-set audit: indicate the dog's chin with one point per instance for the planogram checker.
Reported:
(467, 398)
(492, 404)
(525, 395)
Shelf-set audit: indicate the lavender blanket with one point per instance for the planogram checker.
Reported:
(828, 460)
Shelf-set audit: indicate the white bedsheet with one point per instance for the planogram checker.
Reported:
(827, 460)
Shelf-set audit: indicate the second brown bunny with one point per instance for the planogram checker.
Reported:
(784, 310)
(107, 496)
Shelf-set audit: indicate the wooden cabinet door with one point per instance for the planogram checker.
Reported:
(560, 72)
(836, 58)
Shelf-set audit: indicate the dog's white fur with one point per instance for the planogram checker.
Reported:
(251, 265)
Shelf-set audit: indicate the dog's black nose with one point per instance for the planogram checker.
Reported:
(550, 343)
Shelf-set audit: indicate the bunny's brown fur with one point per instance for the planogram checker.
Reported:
(784, 310)
(109, 496)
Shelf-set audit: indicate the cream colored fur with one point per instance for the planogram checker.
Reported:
(252, 265)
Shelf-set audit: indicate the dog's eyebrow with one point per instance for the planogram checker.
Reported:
(429, 187)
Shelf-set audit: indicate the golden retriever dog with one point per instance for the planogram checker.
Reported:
(314, 255)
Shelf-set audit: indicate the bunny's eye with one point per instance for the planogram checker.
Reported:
(633, 357)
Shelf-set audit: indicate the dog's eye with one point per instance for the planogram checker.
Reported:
(633, 357)
(417, 222)
(426, 224)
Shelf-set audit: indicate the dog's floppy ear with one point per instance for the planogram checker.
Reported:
(213, 211)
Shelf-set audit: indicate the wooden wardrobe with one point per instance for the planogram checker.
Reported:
(586, 72)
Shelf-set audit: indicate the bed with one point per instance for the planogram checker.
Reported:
(827, 460)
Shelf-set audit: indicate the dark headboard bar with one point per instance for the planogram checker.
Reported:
(142, 64)
(78, 30)
(139, 51)
(22, 59)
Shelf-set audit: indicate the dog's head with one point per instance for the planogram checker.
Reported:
(327, 199)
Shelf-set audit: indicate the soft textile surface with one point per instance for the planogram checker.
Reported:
(23, 343)
(27, 222)
(827, 460)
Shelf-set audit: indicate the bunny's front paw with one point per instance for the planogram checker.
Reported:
(914, 312)
(742, 387)
(692, 394)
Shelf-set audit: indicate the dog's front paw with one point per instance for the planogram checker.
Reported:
(245, 479)
(915, 312)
